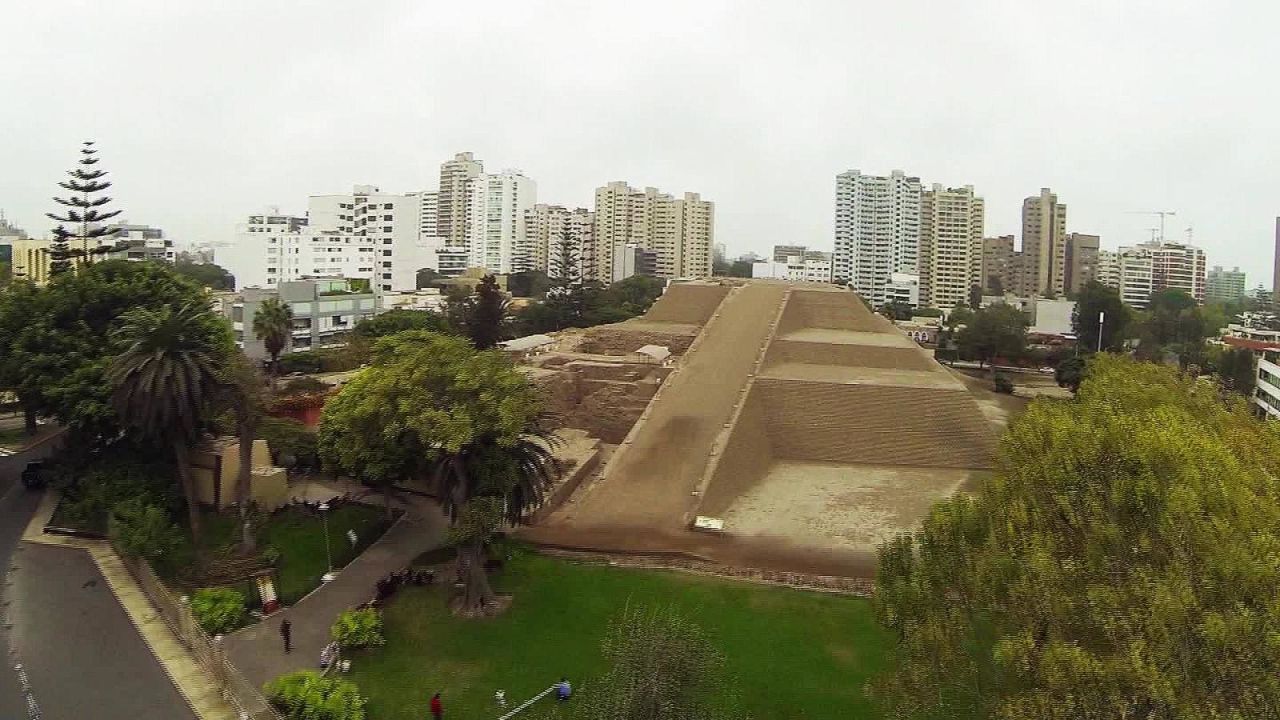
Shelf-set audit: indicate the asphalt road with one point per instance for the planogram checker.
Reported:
(82, 655)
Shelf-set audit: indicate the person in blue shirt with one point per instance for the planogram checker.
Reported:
(563, 691)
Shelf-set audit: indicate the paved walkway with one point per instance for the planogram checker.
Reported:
(257, 651)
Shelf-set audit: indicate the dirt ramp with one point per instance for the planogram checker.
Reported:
(687, 303)
(743, 461)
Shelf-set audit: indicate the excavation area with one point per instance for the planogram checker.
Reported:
(797, 431)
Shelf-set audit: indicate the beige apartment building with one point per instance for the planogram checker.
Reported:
(951, 247)
(451, 202)
(546, 227)
(1044, 246)
(1082, 261)
(680, 232)
(998, 264)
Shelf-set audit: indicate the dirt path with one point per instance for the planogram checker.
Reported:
(651, 482)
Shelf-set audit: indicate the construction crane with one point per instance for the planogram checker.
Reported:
(1162, 213)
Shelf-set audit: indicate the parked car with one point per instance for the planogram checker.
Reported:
(33, 476)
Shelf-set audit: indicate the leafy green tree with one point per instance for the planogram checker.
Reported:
(661, 666)
(394, 321)
(995, 285)
(528, 283)
(975, 297)
(65, 339)
(273, 324)
(896, 310)
(1236, 370)
(1070, 373)
(167, 377)
(740, 269)
(1097, 298)
(1118, 564)
(430, 408)
(20, 304)
(242, 394)
(427, 278)
(996, 331)
(1174, 322)
(486, 316)
(634, 295)
(207, 275)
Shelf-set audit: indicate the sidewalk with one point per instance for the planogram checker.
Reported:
(258, 651)
(188, 677)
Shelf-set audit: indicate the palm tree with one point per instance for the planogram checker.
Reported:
(273, 323)
(242, 394)
(165, 379)
(511, 479)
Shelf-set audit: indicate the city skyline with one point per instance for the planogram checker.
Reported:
(748, 117)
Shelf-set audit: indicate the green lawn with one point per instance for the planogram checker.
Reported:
(792, 654)
(299, 538)
(12, 436)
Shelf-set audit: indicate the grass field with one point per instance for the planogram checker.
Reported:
(790, 653)
(298, 536)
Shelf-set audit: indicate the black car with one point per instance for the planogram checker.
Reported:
(33, 475)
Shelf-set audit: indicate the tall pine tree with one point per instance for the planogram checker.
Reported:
(85, 214)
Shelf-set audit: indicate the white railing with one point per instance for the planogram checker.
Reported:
(527, 703)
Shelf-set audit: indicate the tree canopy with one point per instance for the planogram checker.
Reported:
(1119, 563)
(62, 337)
(207, 275)
(996, 331)
(394, 321)
(1097, 298)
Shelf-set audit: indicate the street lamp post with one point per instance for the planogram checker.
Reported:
(1102, 318)
(328, 554)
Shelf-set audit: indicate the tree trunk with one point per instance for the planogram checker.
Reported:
(244, 482)
(477, 594)
(29, 420)
(386, 500)
(189, 491)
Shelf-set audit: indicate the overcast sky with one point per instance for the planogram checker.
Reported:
(207, 111)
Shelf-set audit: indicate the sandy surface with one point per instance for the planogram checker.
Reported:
(840, 507)
(858, 375)
(651, 481)
(850, 337)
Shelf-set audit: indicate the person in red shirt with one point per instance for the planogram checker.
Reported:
(437, 709)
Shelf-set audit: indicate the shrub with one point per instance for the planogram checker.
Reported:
(358, 628)
(218, 610)
(94, 483)
(290, 442)
(143, 530)
(305, 695)
(303, 386)
(1003, 384)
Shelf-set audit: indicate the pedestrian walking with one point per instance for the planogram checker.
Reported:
(437, 708)
(286, 632)
(563, 690)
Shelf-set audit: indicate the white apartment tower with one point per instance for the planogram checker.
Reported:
(495, 220)
(546, 227)
(272, 248)
(1044, 245)
(877, 231)
(455, 176)
(680, 232)
(392, 221)
(951, 228)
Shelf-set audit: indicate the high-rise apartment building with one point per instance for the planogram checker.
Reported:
(137, 243)
(680, 232)
(951, 227)
(451, 217)
(495, 231)
(999, 273)
(394, 223)
(1044, 247)
(1150, 267)
(1224, 285)
(1107, 268)
(877, 231)
(1082, 261)
(273, 248)
(546, 230)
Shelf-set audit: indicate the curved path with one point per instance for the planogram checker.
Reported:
(258, 652)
